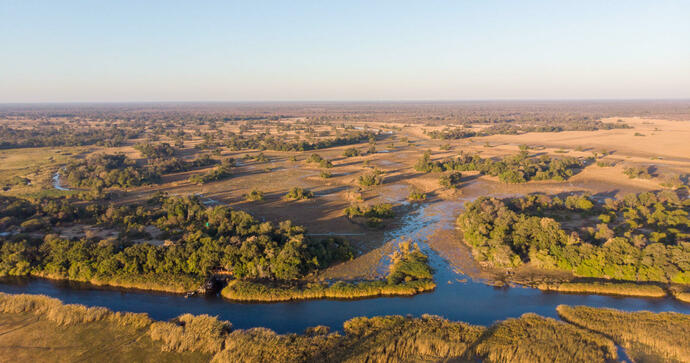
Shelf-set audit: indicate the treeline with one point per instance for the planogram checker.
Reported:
(11, 138)
(585, 335)
(509, 128)
(518, 168)
(643, 237)
(201, 238)
(264, 141)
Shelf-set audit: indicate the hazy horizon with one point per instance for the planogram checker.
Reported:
(158, 52)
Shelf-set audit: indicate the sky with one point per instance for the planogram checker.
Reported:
(253, 50)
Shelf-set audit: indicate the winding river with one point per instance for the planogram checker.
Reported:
(456, 296)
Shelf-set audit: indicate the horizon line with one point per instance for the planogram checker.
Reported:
(347, 101)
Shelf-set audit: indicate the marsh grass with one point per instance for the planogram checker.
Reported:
(533, 338)
(606, 288)
(68, 314)
(646, 336)
(190, 333)
(244, 290)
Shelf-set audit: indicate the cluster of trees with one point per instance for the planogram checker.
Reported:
(156, 151)
(222, 171)
(299, 193)
(508, 128)
(518, 168)
(201, 239)
(637, 172)
(104, 170)
(409, 274)
(175, 165)
(265, 141)
(374, 214)
(323, 163)
(64, 136)
(643, 237)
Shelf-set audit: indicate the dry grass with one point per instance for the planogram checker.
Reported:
(606, 288)
(532, 338)
(646, 336)
(190, 333)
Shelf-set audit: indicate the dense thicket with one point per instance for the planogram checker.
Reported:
(201, 239)
(104, 170)
(518, 168)
(643, 237)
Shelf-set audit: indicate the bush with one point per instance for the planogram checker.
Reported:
(451, 180)
(374, 177)
(325, 174)
(350, 152)
(298, 193)
(255, 195)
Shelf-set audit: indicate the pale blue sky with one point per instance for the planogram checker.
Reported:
(121, 50)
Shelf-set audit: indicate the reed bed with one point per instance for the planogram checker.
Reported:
(606, 288)
(242, 290)
(532, 338)
(646, 336)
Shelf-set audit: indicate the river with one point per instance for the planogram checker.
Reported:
(456, 296)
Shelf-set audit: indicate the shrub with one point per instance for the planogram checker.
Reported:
(255, 195)
(374, 177)
(298, 193)
(350, 152)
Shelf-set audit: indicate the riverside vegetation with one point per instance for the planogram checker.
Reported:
(641, 238)
(201, 238)
(409, 274)
(586, 335)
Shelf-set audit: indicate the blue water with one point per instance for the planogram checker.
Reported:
(470, 301)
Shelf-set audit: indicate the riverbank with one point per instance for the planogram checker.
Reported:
(37, 327)
(160, 283)
(606, 288)
(248, 291)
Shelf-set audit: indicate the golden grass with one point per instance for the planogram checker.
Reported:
(159, 282)
(646, 336)
(190, 333)
(606, 288)
(533, 338)
(40, 328)
(239, 290)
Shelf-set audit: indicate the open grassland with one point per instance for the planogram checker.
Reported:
(29, 171)
(647, 337)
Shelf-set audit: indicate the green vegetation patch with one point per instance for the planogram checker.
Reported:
(643, 237)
